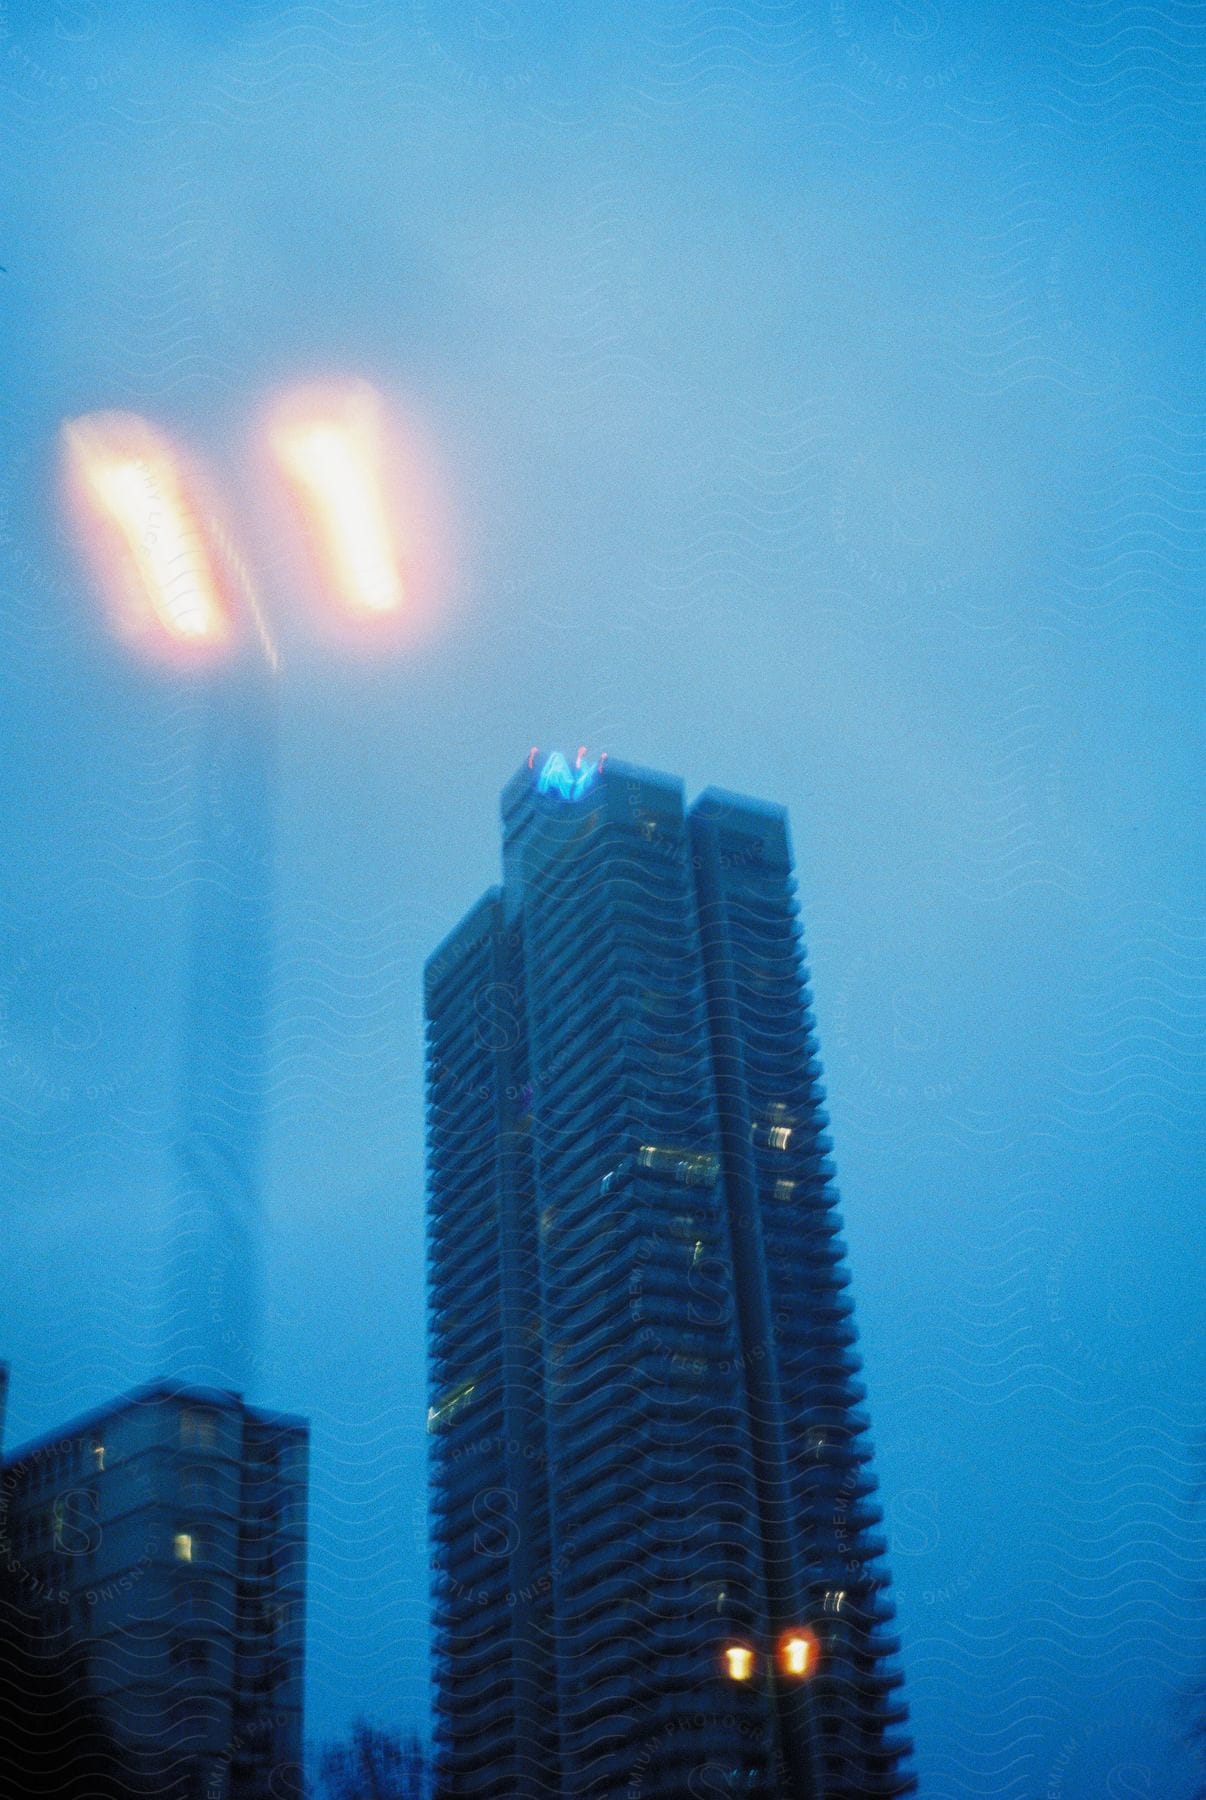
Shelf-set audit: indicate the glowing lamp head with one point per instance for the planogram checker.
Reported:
(799, 1653)
(149, 541)
(738, 1662)
(331, 447)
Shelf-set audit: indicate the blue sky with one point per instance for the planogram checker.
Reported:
(817, 398)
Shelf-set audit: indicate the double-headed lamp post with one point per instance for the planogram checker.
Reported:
(177, 591)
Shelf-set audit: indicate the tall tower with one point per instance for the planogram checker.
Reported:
(657, 1566)
(214, 1245)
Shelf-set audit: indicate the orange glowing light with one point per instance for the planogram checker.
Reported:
(799, 1652)
(147, 539)
(738, 1662)
(332, 446)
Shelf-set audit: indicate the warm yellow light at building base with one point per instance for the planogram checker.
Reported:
(799, 1652)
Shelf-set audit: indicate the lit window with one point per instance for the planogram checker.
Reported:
(834, 1598)
(774, 1131)
(98, 1456)
(784, 1190)
(184, 1545)
(447, 1408)
(694, 1168)
(798, 1652)
(738, 1662)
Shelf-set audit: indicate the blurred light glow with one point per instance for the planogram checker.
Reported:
(798, 1652)
(146, 538)
(738, 1662)
(332, 447)
(556, 776)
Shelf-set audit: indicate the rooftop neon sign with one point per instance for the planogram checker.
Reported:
(557, 777)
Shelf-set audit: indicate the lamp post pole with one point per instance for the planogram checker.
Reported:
(214, 1250)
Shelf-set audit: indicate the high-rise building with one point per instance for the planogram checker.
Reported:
(657, 1564)
(159, 1543)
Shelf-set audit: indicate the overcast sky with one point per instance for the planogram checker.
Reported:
(814, 400)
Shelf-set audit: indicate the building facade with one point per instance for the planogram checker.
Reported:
(657, 1564)
(161, 1542)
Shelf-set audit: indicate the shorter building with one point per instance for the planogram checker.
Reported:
(160, 1541)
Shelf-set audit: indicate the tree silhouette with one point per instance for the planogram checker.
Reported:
(374, 1764)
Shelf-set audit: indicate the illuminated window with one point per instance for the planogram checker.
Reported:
(738, 1662)
(184, 1544)
(784, 1190)
(834, 1599)
(98, 1456)
(798, 1652)
(446, 1409)
(693, 1168)
(775, 1130)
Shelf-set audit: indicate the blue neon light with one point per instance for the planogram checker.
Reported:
(556, 777)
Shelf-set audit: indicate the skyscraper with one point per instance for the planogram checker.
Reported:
(657, 1565)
